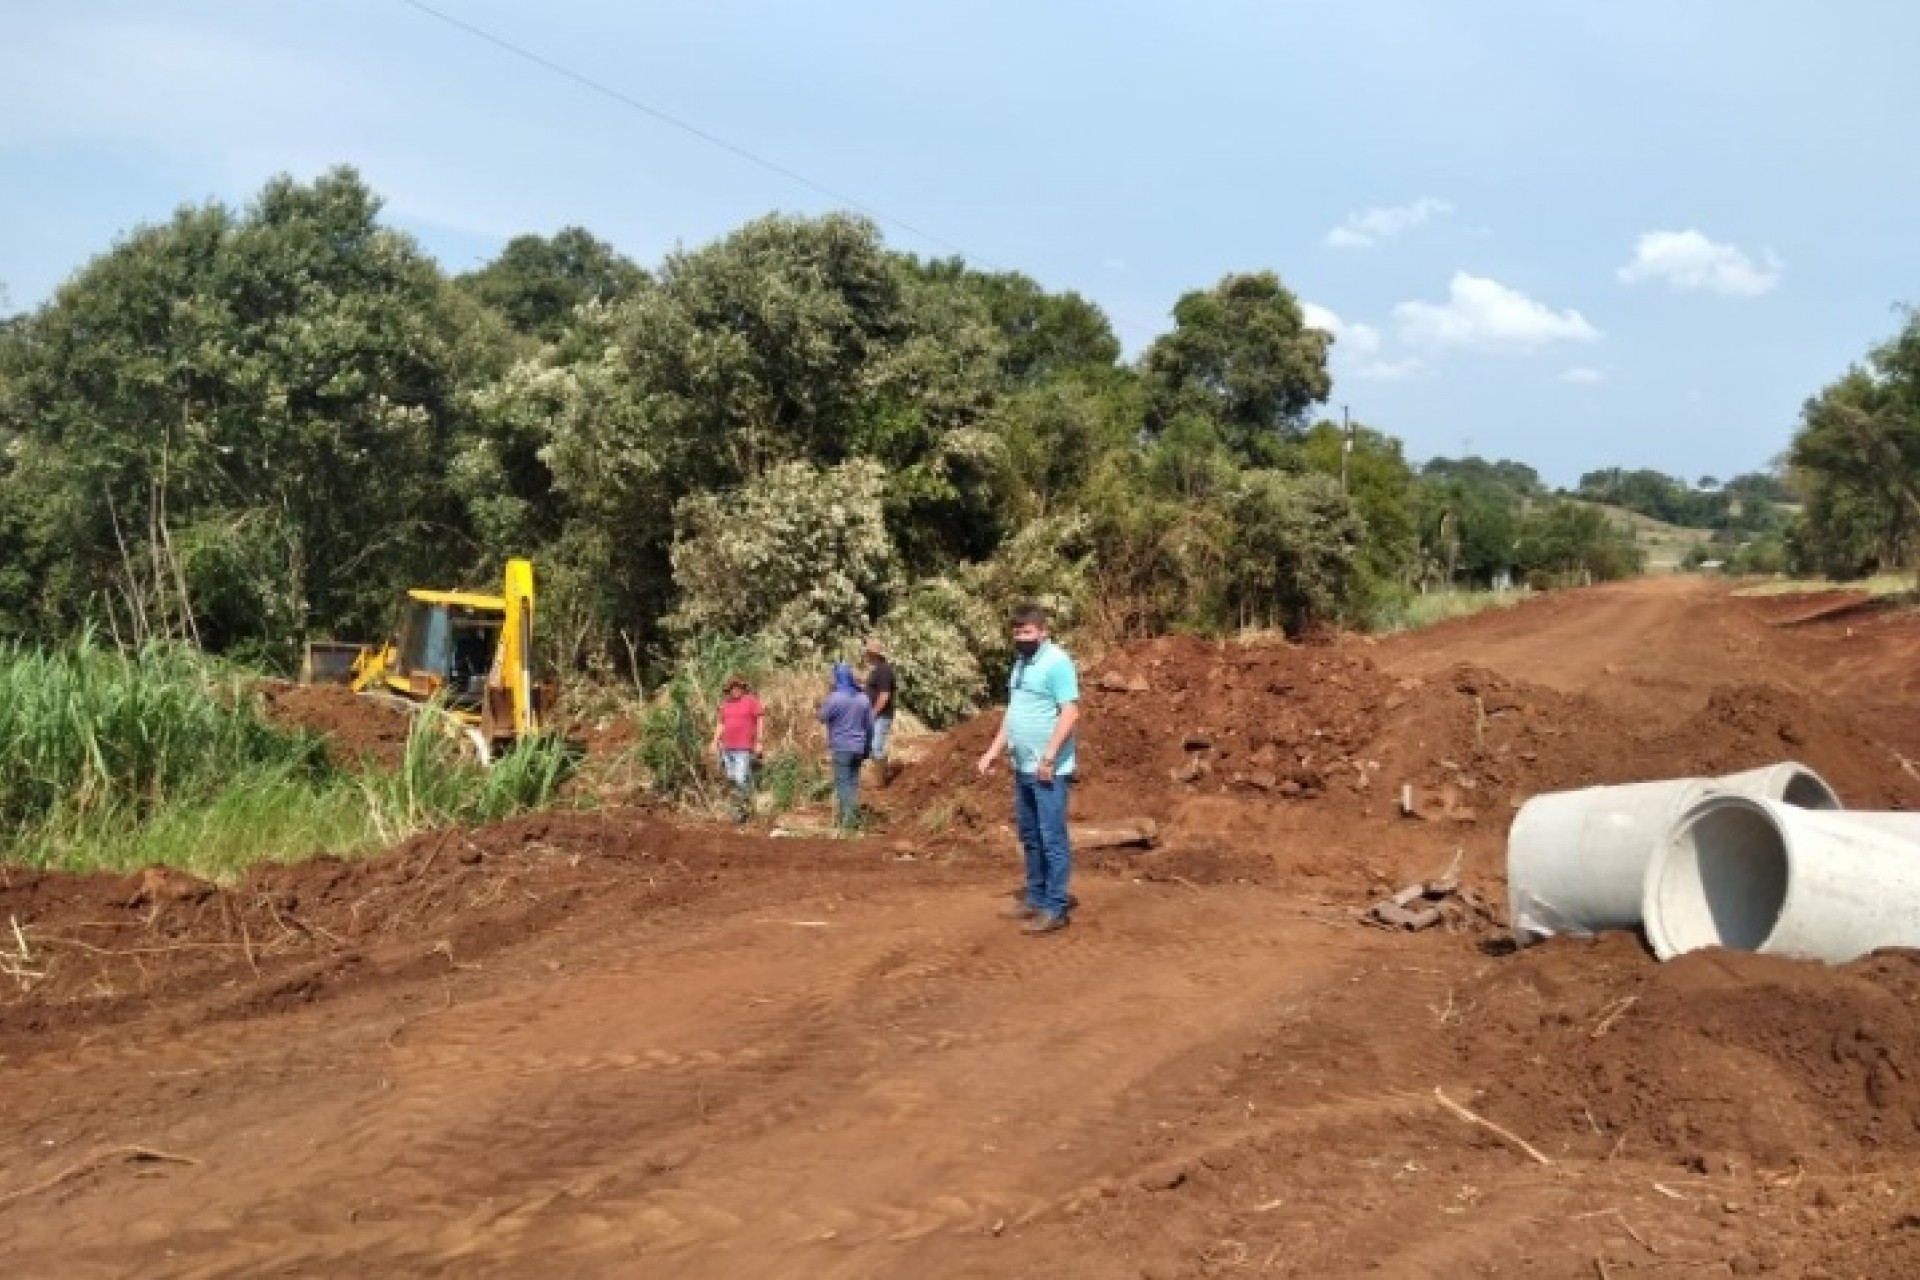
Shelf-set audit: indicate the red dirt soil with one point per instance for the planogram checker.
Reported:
(356, 729)
(609, 1044)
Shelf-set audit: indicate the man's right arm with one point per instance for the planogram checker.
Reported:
(995, 749)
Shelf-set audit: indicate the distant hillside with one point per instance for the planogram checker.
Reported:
(1665, 545)
(1750, 504)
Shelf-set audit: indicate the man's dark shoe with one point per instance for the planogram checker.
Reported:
(1045, 922)
(1019, 911)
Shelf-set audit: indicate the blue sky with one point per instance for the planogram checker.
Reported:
(1575, 234)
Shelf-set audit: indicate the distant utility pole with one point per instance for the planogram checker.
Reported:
(1346, 445)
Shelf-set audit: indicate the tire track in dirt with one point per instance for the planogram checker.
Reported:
(864, 1021)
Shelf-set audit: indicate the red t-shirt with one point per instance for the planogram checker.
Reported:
(739, 722)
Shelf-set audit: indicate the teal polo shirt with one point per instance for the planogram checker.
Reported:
(1037, 690)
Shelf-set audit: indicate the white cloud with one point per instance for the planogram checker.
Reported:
(1485, 315)
(1393, 370)
(1362, 230)
(1356, 348)
(1582, 375)
(1690, 262)
(1355, 340)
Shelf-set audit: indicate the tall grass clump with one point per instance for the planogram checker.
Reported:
(676, 727)
(113, 761)
(87, 732)
(438, 784)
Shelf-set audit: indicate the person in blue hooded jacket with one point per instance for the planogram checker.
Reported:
(847, 714)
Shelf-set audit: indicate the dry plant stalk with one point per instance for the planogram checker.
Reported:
(17, 963)
(1506, 1135)
(1614, 1014)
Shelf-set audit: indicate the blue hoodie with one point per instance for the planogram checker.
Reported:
(847, 713)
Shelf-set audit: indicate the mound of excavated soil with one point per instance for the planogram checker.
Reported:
(1589, 1046)
(1474, 742)
(355, 728)
(1746, 725)
(107, 946)
(1177, 717)
(1801, 609)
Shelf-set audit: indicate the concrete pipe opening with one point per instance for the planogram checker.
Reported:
(1806, 789)
(1578, 861)
(1723, 880)
(1789, 783)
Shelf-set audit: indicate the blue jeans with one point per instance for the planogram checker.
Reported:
(738, 766)
(846, 785)
(1040, 811)
(882, 731)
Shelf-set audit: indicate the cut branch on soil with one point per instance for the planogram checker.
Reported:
(1506, 1135)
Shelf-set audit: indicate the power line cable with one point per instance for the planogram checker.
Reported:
(693, 130)
(732, 148)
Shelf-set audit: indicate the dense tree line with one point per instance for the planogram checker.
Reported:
(1747, 504)
(253, 427)
(1856, 461)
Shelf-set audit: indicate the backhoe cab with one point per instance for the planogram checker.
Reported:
(469, 655)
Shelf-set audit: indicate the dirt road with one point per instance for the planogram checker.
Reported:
(609, 1045)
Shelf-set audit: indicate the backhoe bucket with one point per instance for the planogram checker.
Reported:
(330, 662)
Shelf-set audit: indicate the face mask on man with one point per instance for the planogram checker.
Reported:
(1026, 648)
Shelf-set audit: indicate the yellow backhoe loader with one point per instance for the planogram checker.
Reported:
(469, 656)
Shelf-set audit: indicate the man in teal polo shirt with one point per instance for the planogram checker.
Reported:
(1037, 735)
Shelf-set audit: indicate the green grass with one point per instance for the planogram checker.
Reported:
(1417, 611)
(87, 729)
(111, 762)
(1884, 584)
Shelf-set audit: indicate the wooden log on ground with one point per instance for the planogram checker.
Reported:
(1143, 832)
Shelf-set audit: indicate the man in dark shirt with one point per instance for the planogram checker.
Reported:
(882, 692)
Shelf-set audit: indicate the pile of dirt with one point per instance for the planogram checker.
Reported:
(1474, 745)
(1799, 609)
(356, 729)
(103, 948)
(1593, 1048)
(1744, 726)
(1179, 717)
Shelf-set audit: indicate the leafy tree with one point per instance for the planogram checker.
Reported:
(286, 378)
(538, 282)
(1573, 543)
(791, 340)
(1518, 481)
(1241, 354)
(1046, 335)
(1859, 447)
(1844, 531)
(1159, 559)
(798, 556)
(1469, 516)
(1296, 541)
(1382, 485)
(1056, 431)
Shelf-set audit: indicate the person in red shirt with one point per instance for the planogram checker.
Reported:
(739, 737)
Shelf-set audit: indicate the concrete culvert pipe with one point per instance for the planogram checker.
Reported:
(1577, 860)
(1752, 874)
